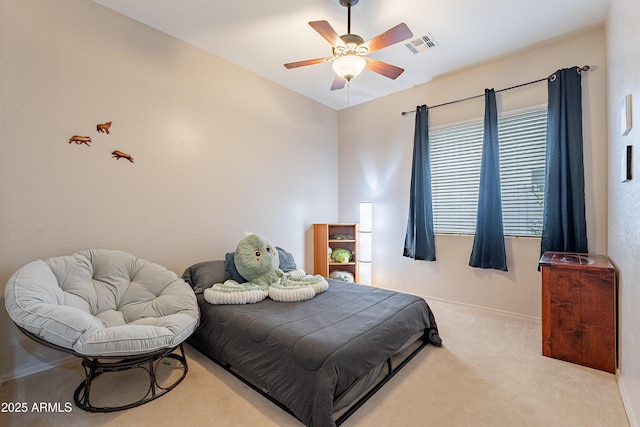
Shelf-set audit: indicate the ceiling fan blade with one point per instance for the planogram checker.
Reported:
(306, 62)
(326, 30)
(392, 36)
(338, 82)
(387, 70)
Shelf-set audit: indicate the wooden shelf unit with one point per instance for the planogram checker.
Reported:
(579, 309)
(323, 240)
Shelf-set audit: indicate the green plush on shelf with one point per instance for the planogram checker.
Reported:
(341, 255)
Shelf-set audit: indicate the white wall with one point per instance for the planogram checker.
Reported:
(623, 58)
(375, 152)
(218, 151)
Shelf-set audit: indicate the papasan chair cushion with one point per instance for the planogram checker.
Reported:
(102, 303)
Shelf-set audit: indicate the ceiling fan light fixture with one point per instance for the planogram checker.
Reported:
(349, 66)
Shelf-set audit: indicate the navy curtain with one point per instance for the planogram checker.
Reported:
(488, 244)
(564, 226)
(419, 242)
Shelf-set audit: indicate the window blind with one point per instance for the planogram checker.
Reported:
(456, 152)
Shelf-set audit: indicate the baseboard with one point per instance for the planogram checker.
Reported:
(37, 368)
(482, 308)
(626, 401)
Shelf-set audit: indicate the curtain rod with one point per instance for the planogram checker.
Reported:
(552, 77)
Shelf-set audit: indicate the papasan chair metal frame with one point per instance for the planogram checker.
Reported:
(95, 366)
(127, 321)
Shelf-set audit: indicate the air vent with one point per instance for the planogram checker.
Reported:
(421, 44)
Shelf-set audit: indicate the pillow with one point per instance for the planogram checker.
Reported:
(230, 266)
(287, 263)
(205, 274)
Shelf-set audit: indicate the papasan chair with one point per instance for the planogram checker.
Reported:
(113, 310)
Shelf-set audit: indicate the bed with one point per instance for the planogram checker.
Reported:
(318, 359)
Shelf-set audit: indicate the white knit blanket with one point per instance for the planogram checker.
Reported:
(296, 285)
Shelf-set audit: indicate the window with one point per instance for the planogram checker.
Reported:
(456, 152)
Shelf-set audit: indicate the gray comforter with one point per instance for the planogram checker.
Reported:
(306, 353)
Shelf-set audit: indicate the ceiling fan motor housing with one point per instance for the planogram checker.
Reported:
(352, 46)
(347, 3)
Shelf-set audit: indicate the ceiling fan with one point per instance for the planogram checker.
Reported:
(350, 50)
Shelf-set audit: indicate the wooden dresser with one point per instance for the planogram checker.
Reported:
(579, 309)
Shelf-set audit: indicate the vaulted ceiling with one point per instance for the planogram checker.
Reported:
(262, 35)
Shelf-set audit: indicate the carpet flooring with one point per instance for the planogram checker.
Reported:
(489, 372)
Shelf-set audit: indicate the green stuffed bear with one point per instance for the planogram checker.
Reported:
(341, 255)
(257, 260)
